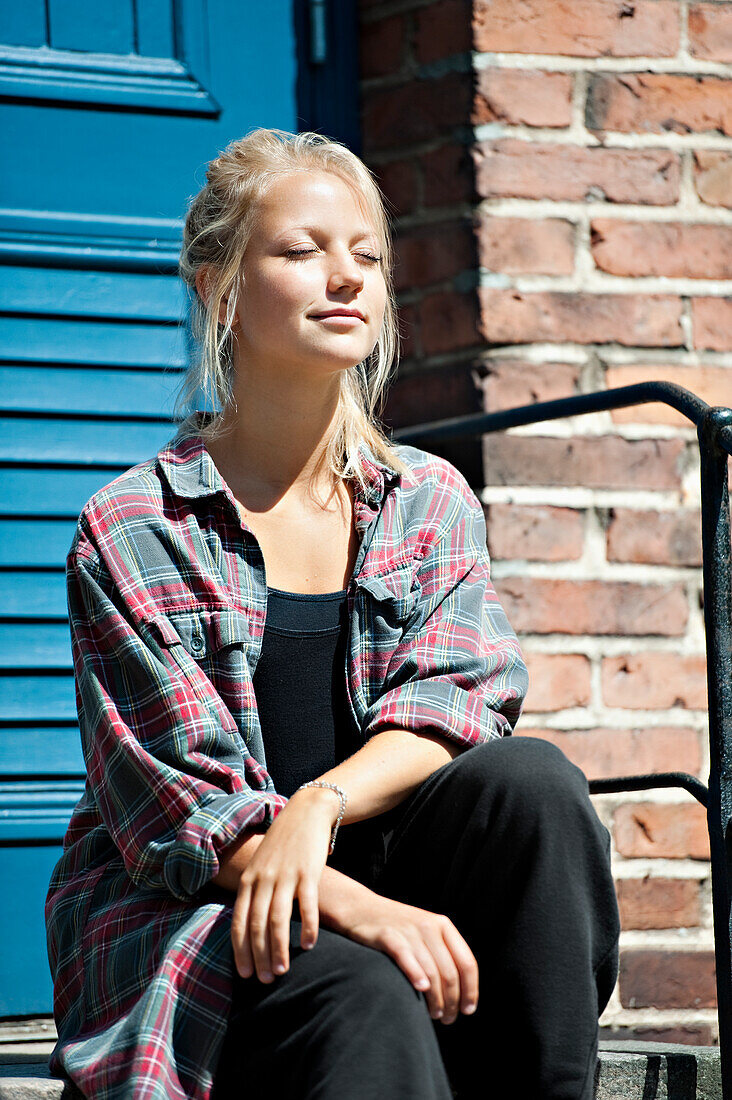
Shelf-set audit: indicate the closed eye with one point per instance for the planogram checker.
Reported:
(295, 253)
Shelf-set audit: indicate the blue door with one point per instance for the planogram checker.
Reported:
(110, 112)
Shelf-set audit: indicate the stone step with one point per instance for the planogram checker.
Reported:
(658, 1071)
(21, 1079)
(625, 1071)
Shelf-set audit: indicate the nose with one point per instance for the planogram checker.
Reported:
(345, 269)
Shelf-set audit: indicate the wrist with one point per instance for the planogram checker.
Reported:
(323, 797)
(339, 897)
(342, 800)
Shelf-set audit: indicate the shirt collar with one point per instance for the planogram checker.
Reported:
(191, 472)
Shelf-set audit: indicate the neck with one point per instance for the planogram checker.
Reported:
(274, 435)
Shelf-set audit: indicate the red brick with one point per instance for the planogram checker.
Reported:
(654, 681)
(557, 681)
(713, 177)
(543, 605)
(398, 182)
(448, 175)
(448, 322)
(647, 903)
(518, 317)
(710, 31)
(516, 246)
(431, 395)
(661, 830)
(534, 532)
(442, 29)
(382, 44)
(712, 384)
(507, 383)
(659, 102)
(509, 167)
(655, 538)
(521, 97)
(667, 979)
(415, 111)
(662, 248)
(689, 1034)
(432, 253)
(595, 28)
(595, 462)
(610, 753)
(712, 321)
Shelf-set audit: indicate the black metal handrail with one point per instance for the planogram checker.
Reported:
(714, 434)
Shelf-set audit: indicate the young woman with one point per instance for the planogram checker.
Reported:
(305, 839)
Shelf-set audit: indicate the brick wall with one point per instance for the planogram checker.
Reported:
(561, 181)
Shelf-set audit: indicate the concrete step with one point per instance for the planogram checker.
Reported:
(22, 1078)
(625, 1071)
(658, 1071)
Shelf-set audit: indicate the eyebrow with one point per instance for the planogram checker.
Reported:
(357, 236)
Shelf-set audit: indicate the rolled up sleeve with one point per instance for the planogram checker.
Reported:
(167, 774)
(459, 670)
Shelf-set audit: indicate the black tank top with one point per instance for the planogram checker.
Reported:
(299, 684)
(307, 727)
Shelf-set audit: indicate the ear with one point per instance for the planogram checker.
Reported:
(203, 286)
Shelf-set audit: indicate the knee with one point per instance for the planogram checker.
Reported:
(373, 985)
(532, 773)
(381, 982)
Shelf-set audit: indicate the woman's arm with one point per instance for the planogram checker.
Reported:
(427, 946)
(169, 775)
(338, 893)
(379, 776)
(386, 770)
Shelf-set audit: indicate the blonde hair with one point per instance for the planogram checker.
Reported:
(217, 229)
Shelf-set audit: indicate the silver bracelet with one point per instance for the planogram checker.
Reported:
(343, 798)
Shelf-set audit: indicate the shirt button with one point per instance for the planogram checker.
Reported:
(197, 642)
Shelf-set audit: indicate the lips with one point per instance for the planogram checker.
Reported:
(340, 313)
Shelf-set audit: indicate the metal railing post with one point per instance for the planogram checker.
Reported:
(718, 628)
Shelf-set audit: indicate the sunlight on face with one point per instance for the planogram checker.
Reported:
(313, 250)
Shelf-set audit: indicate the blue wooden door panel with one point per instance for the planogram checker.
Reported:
(65, 239)
(80, 442)
(39, 595)
(24, 24)
(51, 750)
(94, 342)
(35, 645)
(59, 291)
(114, 110)
(86, 25)
(142, 163)
(49, 698)
(34, 543)
(155, 29)
(50, 492)
(119, 393)
(36, 808)
(23, 930)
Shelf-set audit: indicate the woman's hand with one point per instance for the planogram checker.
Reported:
(289, 862)
(427, 946)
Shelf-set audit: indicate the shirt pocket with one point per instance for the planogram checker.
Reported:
(210, 648)
(390, 602)
(387, 607)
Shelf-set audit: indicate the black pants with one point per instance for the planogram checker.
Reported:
(505, 841)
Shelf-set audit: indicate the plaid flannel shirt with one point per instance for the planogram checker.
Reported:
(167, 599)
